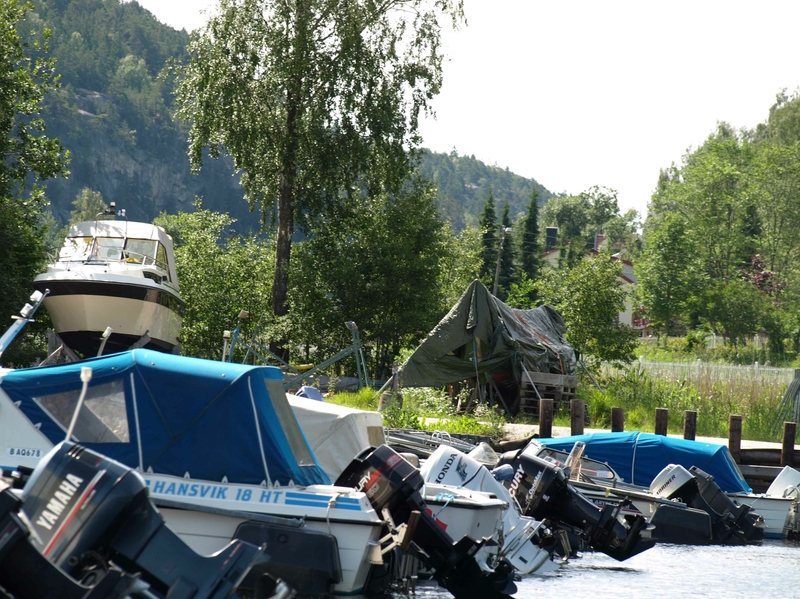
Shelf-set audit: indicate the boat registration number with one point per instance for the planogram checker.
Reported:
(25, 452)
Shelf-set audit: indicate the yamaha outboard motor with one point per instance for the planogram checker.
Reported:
(26, 574)
(86, 511)
(730, 522)
(542, 491)
(393, 484)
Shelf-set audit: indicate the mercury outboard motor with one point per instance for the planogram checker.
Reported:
(393, 484)
(542, 491)
(730, 522)
(87, 513)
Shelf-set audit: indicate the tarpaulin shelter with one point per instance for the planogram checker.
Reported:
(482, 336)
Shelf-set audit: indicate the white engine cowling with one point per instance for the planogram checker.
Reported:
(449, 466)
(667, 482)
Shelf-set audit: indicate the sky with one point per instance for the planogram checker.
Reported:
(577, 93)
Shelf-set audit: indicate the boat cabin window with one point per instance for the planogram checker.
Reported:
(161, 259)
(140, 251)
(109, 248)
(288, 422)
(102, 419)
(76, 248)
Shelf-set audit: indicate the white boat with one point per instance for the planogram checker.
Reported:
(336, 433)
(217, 444)
(466, 500)
(639, 459)
(779, 505)
(116, 274)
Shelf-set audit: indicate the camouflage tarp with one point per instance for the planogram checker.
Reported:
(481, 335)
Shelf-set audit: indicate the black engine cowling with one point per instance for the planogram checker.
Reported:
(543, 491)
(86, 513)
(392, 483)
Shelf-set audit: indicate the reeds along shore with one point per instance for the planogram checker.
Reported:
(714, 393)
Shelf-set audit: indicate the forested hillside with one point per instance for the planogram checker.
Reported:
(114, 113)
(464, 182)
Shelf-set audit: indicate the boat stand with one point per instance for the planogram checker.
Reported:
(261, 352)
(26, 316)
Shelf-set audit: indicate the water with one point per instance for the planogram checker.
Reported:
(769, 570)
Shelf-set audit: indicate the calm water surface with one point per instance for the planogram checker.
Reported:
(770, 570)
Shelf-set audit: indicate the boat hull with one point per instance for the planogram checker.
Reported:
(355, 525)
(774, 510)
(81, 311)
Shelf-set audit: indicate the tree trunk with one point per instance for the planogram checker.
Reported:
(286, 204)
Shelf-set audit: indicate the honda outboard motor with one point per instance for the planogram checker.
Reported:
(86, 511)
(730, 522)
(542, 491)
(392, 484)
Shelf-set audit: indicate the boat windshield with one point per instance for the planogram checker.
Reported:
(140, 251)
(108, 248)
(76, 248)
(102, 418)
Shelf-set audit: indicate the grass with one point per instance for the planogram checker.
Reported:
(639, 395)
(421, 405)
(697, 346)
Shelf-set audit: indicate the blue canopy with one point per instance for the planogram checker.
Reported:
(639, 457)
(174, 415)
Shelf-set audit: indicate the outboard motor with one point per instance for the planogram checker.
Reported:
(392, 485)
(730, 522)
(87, 512)
(542, 491)
(26, 574)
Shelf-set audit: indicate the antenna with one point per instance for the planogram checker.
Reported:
(86, 376)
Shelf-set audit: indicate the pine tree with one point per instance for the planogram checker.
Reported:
(489, 238)
(507, 274)
(531, 250)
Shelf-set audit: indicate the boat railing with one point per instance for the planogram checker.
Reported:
(124, 257)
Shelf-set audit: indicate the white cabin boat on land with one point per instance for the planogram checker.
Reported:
(116, 274)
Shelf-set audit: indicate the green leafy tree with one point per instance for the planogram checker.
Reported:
(27, 155)
(461, 262)
(590, 297)
(312, 99)
(669, 276)
(489, 240)
(521, 293)
(380, 267)
(734, 309)
(86, 206)
(219, 275)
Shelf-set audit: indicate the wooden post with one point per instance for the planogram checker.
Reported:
(735, 437)
(689, 424)
(662, 420)
(545, 418)
(617, 420)
(787, 449)
(576, 409)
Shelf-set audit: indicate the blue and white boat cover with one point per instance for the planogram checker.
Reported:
(173, 415)
(639, 457)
